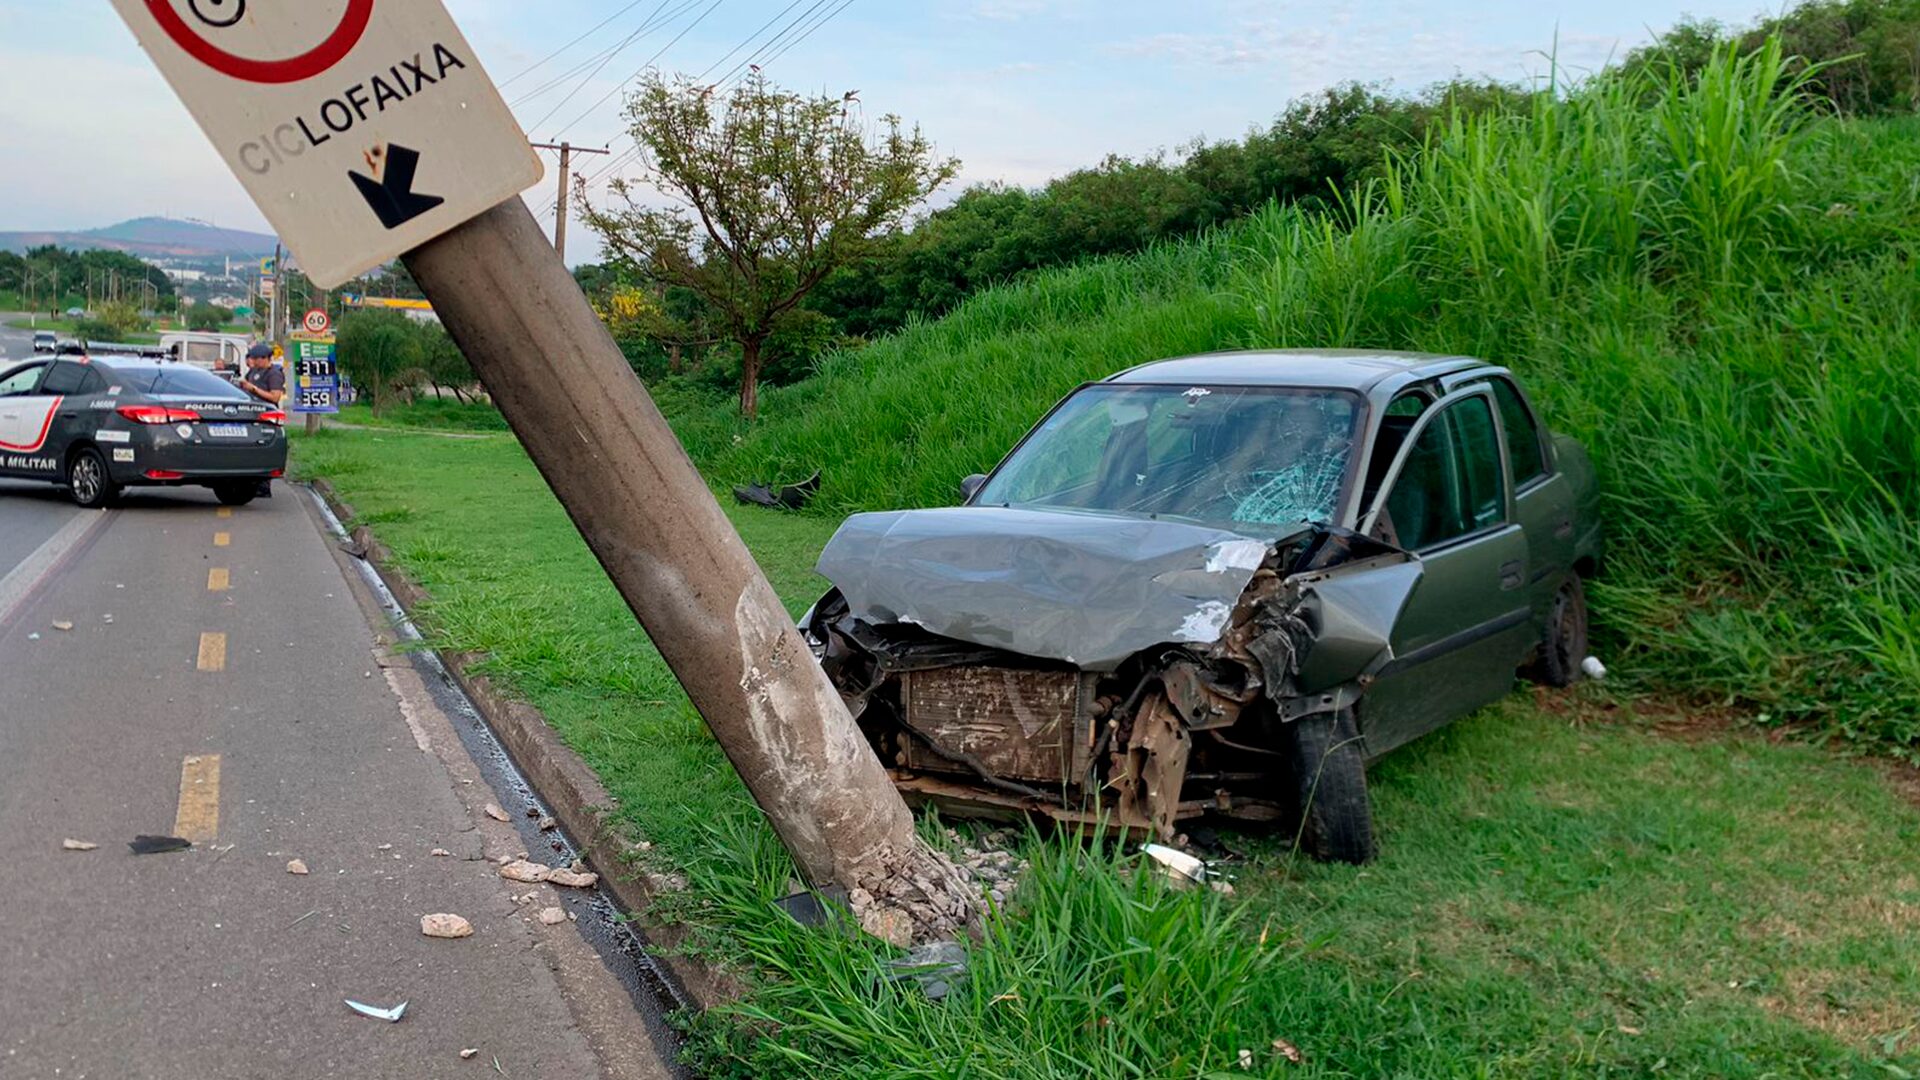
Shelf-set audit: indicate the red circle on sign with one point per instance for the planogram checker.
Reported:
(317, 322)
(292, 69)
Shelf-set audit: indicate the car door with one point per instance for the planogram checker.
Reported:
(1449, 501)
(26, 419)
(73, 386)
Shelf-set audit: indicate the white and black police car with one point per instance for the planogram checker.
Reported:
(102, 423)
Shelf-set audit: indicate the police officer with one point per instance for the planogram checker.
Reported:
(268, 383)
(263, 380)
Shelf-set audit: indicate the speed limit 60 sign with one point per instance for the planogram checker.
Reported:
(363, 128)
(317, 322)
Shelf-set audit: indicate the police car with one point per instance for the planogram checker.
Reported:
(99, 424)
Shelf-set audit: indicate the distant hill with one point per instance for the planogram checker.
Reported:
(151, 237)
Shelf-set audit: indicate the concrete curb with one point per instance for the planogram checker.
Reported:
(562, 779)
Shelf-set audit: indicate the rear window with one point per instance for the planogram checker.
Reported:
(182, 380)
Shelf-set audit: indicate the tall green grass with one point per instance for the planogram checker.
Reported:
(1706, 279)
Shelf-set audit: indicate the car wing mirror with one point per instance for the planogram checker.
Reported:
(971, 486)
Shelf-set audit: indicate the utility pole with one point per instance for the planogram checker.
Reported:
(550, 365)
(567, 150)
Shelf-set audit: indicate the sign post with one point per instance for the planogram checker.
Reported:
(375, 133)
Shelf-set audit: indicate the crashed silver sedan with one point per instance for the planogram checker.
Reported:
(1217, 586)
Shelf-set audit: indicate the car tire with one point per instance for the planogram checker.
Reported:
(236, 494)
(89, 481)
(1564, 646)
(1329, 767)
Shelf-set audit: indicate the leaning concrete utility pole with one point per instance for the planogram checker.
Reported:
(589, 425)
(424, 178)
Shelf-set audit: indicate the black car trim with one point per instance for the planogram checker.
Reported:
(1470, 636)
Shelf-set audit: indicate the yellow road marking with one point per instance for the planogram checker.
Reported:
(218, 579)
(199, 816)
(213, 652)
(222, 539)
(224, 512)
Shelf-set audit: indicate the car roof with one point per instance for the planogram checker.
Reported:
(1360, 370)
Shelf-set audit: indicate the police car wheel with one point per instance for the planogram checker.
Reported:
(88, 480)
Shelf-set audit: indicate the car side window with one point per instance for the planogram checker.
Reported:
(21, 382)
(64, 379)
(1482, 480)
(95, 383)
(1452, 483)
(1523, 434)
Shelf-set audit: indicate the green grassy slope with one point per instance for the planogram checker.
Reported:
(1559, 893)
(1710, 285)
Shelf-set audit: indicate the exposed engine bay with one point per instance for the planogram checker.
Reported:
(1005, 662)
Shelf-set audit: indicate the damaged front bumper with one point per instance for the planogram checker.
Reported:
(1133, 672)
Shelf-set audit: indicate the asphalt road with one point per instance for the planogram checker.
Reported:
(220, 679)
(15, 345)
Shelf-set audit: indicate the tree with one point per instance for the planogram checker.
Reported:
(441, 361)
(208, 317)
(769, 192)
(381, 351)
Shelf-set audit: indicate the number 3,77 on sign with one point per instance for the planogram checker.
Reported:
(362, 128)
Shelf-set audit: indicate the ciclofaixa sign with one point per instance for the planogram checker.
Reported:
(362, 128)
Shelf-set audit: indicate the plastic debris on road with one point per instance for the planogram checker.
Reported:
(78, 845)
(1183, 868)
(391, 1016)
(470, 1054)
(1593, 669)
(62, 625)
(158, 845)
(297, 868)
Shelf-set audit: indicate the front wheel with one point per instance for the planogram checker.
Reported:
(236, 494)
(1329, 766)
(89, 482)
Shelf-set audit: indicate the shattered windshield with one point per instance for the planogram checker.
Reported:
(1229, 454)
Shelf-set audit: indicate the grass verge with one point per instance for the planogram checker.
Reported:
(1558, 895)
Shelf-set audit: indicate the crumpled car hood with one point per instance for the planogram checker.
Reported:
(1089, 589)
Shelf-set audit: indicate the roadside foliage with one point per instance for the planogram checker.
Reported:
(1700, 272)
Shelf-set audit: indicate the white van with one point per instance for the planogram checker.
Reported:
(219, 353)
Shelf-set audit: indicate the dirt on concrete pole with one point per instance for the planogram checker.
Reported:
(596, 436)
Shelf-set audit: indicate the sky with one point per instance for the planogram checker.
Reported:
(1019, 90)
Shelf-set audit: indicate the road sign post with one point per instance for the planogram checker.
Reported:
(445, 159)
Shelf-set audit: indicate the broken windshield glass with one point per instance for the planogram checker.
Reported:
(1240, 455)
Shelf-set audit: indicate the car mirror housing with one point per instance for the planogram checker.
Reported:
(971, 486)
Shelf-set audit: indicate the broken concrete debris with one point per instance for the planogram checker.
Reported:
(891, 925)
(440, 853)
(297, 867)
(78, 845)
(493, 811)
(531, 873)
(445, 926)
(552, 916)
(470, 1053)
(572, 879)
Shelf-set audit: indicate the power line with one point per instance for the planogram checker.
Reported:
(549, 57)
(633, 153)
(608, 96)
(772, 42)
(631, 38)
(748, 41)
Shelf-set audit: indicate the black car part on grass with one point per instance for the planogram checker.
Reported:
(786, 497)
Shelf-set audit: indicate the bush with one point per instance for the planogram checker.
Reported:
(208, 317)
(382, 352)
